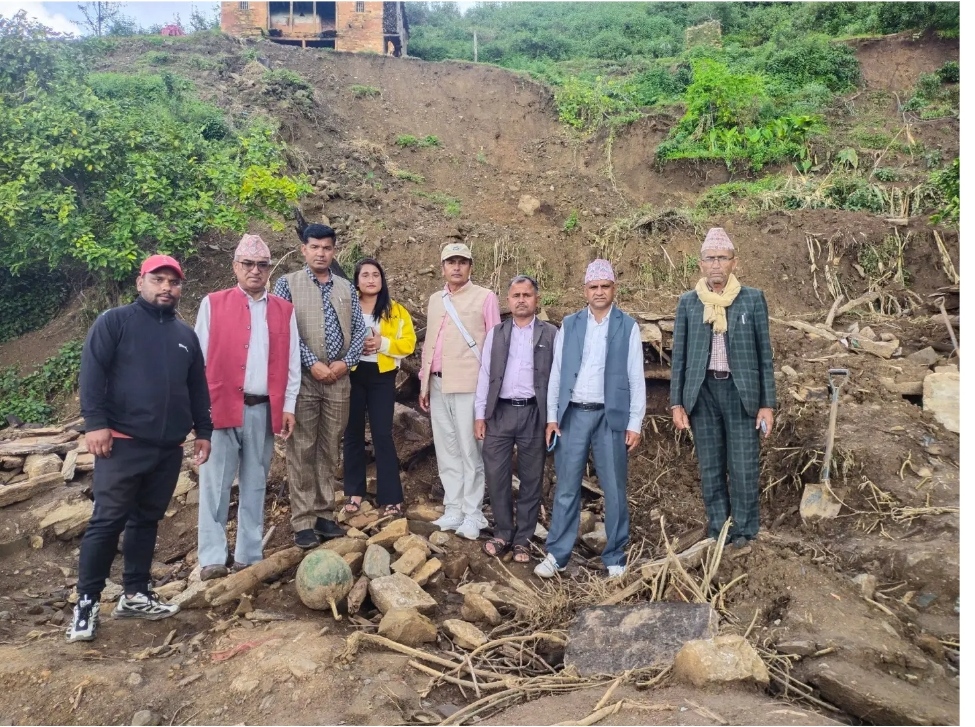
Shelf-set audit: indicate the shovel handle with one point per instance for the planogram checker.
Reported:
(831, 430)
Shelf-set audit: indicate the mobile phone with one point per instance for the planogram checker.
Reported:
(555, 440)
(764, 427)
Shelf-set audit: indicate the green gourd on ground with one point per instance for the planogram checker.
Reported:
(323, 579)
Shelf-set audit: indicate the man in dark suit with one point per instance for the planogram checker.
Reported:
(722, 386)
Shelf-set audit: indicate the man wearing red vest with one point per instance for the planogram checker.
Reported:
(253, 365)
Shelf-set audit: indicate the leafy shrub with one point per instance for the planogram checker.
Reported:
(571, 222)
(408, 141)
(101, 169)
(885, 174)
(451, 205)
(950, 72)
(29, 300)
(409, 176)
(30, 397)
(283, 82)
(815, 59)
(947, 183)
(157, 58)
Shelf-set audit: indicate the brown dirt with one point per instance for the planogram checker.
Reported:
(499, 140)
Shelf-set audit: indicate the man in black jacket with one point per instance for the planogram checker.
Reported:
(143, 388)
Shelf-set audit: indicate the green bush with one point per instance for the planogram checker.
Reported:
(364, 91)
(283, 82)
(97, 170)
(31, 397)
(947, 182)
(29, 300)
(814, 59)
(950, 72)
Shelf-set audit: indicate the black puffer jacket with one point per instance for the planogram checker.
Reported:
(142, 374)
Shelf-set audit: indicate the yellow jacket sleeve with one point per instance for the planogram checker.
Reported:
(399, 337)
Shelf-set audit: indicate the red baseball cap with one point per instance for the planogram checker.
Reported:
(155, 262)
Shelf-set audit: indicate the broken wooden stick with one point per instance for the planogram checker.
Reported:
(832, 311)
(233, 586)
(807, 328)
(856, 302)
(951, 331)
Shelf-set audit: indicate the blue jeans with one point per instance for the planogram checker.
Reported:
(580, 431)
(248, 448)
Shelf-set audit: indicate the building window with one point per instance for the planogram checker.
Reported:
(360, 7)
(244, 6)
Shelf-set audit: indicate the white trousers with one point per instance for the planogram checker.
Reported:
(458, 451)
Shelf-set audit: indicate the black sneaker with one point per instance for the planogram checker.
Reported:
(306, 539)
(144, 605)
(85, 621)
(327, 529)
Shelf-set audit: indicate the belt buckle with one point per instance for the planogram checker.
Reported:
(721, 375)
(519, 402)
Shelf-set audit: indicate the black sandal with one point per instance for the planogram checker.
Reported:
(521, 554)
(393, 510)
(351, 508)
(495, 547)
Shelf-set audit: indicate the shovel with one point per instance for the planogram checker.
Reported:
(819, 502)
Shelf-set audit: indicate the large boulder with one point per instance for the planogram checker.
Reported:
(68, 519)
(612, 639)
(942, 398)
(323, 578)
(41, 464)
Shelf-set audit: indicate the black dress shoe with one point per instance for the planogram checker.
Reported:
(327, 529)
(306, 539)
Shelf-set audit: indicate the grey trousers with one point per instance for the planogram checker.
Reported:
(580, 431)
(524, 427)
(246, 450)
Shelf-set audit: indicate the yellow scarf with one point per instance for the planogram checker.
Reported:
(715, 304)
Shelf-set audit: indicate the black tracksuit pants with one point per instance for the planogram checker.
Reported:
(376, 393)
(132, 490)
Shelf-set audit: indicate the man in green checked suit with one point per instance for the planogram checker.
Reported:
(722, 386)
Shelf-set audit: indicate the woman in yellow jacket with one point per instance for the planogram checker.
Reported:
(391, 338)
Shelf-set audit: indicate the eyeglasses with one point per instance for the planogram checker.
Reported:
(709, 260)
(262, 265)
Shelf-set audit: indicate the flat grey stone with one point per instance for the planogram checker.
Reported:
(612, 639)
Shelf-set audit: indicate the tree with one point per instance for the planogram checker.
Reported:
(98, 16)
(201, 22)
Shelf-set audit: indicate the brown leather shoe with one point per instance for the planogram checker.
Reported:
(208, 573)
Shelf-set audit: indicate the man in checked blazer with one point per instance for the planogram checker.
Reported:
(722, 386)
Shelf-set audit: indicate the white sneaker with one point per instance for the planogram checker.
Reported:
(449, 521)
(615, 571)
(479, 520)
(548, 567)
(144, 605)
(469, 528)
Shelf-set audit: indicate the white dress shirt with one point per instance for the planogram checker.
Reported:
(591, 381)
(255, 373)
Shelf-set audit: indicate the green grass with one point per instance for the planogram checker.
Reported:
(365, 91)
(408, 176)
(451, 205)
(571, 222)
(408, 141)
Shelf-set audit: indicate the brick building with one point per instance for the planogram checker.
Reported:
(380, 27)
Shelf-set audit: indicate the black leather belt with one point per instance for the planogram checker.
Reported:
(254, 399)
(719, 375)
(519, 402)
(438, 374)
(585, 406)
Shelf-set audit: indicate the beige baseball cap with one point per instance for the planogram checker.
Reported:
(456, 249)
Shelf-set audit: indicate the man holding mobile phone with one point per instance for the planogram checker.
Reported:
(597, 398)
(722, 386)
(510, 409)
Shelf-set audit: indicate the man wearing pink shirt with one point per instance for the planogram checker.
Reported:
(458, 319)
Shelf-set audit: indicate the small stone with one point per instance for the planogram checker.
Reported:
(391, 533)
(355, 562)
(42, 464)
(184, 483)
(932, 646)
(596, 540)
(455, 566)
(410, 561)
(375, 564)
(427, 571)
(68, 519)
(724, 658)
(440, 538)
(424, 511)
(789, 371)
(302, 667)
(111, 592)
(6, 616)
(244, 684)
(362, 520)
(478, 609)
(587, 522)
(171, 589)
(796, 648)
(408, 542)
(926, 357)
(145, 718)
(528, 204)
(36, 542)
(407, 626)
(465, 635)
(356, 533)
(346, 545)
(867, 584)
(399, 591)
(134, 679)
